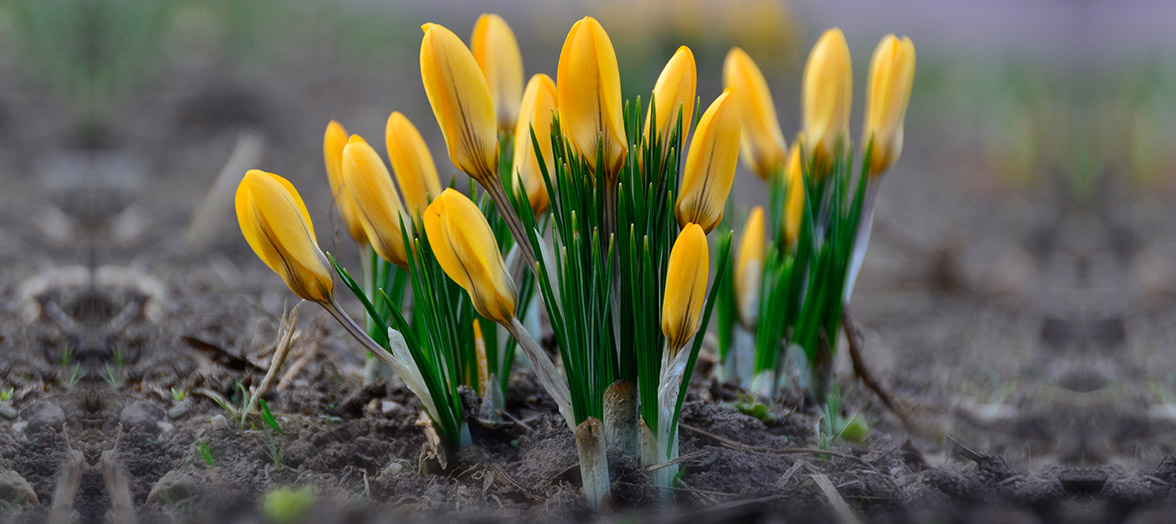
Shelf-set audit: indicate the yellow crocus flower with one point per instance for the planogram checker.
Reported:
(589, 96)
(710, 165)
(465, 248)
(416, 174)
(674, 92)
(826, 97)
(376, 202)
(536, 112)
(461, 101)
(749, 267)
(794, 202)
(277, 226)
(892, 73)
(497, 52)
(334, 139)
(686, 274)
(764, 149)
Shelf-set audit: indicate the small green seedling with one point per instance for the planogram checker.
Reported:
(268, 417)
(6, 395)
(751, 407)
(287, 505)
(179, 395)
(206, 454)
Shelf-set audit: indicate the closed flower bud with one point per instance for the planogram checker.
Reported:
(826, 97)
(461, 101)
(763, 142)
(412, 163)
(685, 292)
(334, 140)
(497, 52)
(535, 112)
(749, 268)
(892, 72)
(376, 201)
(674, 93)
(465, 248)
(277, 226)
(589, 87)
(710, 165)
(794, 202)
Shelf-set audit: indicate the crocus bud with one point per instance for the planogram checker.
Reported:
(376, 202)
(794, 202)
(685, 291)
(749, 268)
(465, 248)
(763, 142)
(710, 165)
(535, 112)
(589, 92)
(277, 226)
(412, 163)
(497, 52)
(334, 140)
(826, 96)
(674, 93)
(461, 101)
(892, 72)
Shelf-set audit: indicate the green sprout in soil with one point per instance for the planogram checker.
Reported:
(206, 453)
(287, 505)
(179, 395)
(6, 395)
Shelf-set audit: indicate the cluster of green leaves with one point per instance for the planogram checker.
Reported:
(575, 278)
(646, 232)
(802, 286)
(830, 231)
(440, 336)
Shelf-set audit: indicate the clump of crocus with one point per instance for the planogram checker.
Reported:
(277, 226)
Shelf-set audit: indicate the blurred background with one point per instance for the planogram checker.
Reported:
(1022, 257)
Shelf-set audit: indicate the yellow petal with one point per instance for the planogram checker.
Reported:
(892, 74)
(826, 97)
(376, 202)
(333, 141)
(276, 225)
(686, 275)
(749, 267)
(589, 88)
(460, 98)
(763, 142)
(536, 112)
(794, 202)
(411, 162)
(674, 93)
(710, 165)
(497, 52)
(465, 248)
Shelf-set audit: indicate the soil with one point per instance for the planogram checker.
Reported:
(1024, 334)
